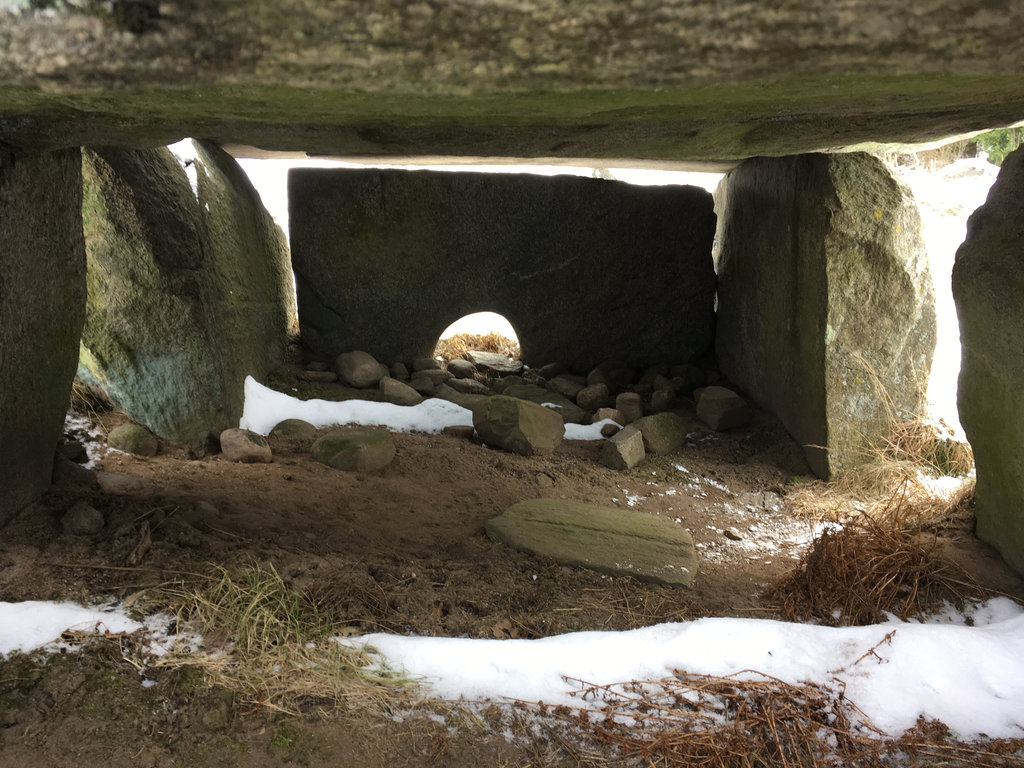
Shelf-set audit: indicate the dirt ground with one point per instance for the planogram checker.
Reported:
(403, 550)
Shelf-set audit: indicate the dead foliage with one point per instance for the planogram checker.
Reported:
(268, 643)
(455, 347)
(874, 564)
(87, 400)
(752, 720)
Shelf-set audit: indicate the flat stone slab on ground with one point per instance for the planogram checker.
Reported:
(618, 542)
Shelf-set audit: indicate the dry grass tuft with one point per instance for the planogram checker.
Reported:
(455, 347)
(751, 720)
(875, 564)
(272, 646)
(88, 401)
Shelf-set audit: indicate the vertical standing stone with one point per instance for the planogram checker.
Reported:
(189, 288)
(988, 287)
(42, 307)
(825, 307)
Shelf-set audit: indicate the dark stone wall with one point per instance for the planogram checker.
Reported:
(42, 308)
(988, 287)
(584, 269)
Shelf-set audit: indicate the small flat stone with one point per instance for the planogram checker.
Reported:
(134, 439)
(399, 393)
(461, 369)
(462, 431)
(82, 520)
(624, 450)
(244, 446)
(617, 542)
(495, 362)
(112, 482)
(663, 432)
(721, 408)
(355, 449)
(295, 428)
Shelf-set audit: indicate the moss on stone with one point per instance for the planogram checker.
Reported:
(720, 122)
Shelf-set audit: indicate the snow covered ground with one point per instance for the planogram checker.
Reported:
(970, 677)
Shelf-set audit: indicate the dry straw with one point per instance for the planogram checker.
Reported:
(875, 564)
(752, 720)
(272, 646)
(455, 347)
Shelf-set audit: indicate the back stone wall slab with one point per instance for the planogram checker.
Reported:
(584, 269)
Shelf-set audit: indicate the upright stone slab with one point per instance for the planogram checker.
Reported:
(42, 307)
(189, 288)
(988, 287)
(583, 268)
(825, 307)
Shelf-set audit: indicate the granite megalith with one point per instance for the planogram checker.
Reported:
(42, 308)
(366, 242)
(988, 287)
(826, 313)
(189, 288)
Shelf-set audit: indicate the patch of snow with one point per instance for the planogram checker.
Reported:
(84, 431)
(188, 158)
(27, 626)
(265, 408)
(971, 678)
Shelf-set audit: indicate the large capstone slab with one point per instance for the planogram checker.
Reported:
(189, 288)
(826, 313)
(988, 287)
(618, 542)
(584, 269)
(42, 307)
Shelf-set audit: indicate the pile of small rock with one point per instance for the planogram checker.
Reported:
(514, 408)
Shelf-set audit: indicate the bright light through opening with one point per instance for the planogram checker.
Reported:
(480, 324)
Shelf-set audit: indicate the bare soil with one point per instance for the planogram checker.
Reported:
(403, 550)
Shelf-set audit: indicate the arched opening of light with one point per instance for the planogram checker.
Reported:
(479, 332)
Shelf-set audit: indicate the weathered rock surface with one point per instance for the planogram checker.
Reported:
(469, 387)
(355, 449)
(825, 304)
(399, 393)
(133, 438)
(663, 432)
(988, 287)
(614, 541)
(82, 520)
(189, 289)
(245, 446)
(294, 428)
(42, 308)
(495, 363)
(593, 397)
(624, 450)
(587, 78)
(518, 425)
(364, 243)
(461, 369)
(630, 405)
(721, 408)
(567, 386)
(568, 410)
(358, 369)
